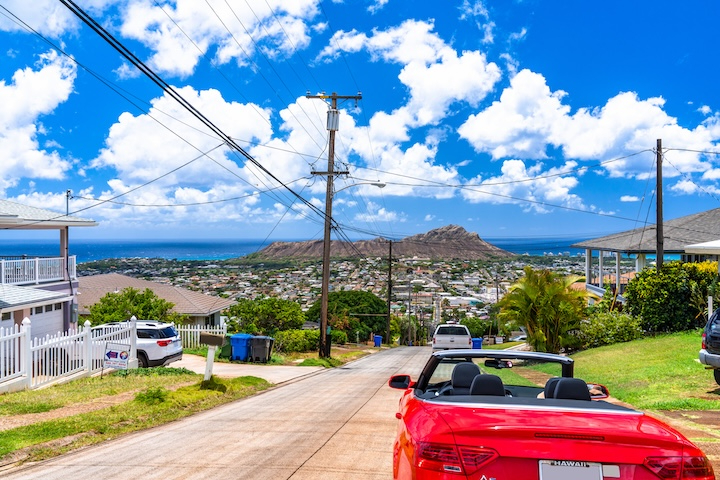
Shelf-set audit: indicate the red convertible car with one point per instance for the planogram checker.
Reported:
(513, 415)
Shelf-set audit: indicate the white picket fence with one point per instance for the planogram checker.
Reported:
(27, 362)
(190, 334)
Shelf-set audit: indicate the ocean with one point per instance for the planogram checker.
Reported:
(92, 250)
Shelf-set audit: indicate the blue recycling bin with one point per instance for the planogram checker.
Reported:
(378, 340)
(240, 343)
(477, 343)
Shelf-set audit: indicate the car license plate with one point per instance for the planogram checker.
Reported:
(570, 470)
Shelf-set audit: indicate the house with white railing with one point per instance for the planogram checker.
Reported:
(38, 287)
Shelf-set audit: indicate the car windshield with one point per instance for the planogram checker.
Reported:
(452, 331)
(518, 372)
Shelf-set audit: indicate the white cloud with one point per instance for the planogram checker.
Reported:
(166, 161)
(32, 94)
(705, 110)
(377, 213)
(629, 198)
(436, 77)
(233, 29)
(477, 11)
(531, 186)
(529, 117)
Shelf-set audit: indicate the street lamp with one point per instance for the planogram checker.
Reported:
(324, 340)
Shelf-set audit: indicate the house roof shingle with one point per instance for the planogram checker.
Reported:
(92, 288)
(677, 234)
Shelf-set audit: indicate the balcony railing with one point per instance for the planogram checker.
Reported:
(26, 271)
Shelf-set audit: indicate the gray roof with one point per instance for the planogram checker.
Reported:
(13, 297)
(677, 234)
(23, 217)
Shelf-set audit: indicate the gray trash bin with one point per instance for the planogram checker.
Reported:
(260, 348)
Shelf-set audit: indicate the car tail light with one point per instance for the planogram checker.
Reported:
(681, 468)
(704, 345)
(164, 343)
(451, 459)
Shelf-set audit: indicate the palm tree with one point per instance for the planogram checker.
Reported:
(547, 306)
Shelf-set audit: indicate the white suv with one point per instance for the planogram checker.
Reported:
(451, 335)
(158, 343)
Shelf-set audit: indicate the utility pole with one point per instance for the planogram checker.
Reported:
(389, 293)
(333, 122)
(660, 238)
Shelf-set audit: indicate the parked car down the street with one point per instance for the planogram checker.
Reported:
(451, 335)
(710, 348)
(158, 343)
(482, 414)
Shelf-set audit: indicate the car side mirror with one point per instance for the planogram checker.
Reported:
(402, 382)
(597, 391)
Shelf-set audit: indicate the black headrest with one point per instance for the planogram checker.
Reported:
(572, 389)
(486, 384)
(463, 374)
(550, 386)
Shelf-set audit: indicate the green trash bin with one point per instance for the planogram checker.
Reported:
(226, 349)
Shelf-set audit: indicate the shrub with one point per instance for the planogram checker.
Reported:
(607, 328)
(297, 340)
(337, 337)
(672, 299)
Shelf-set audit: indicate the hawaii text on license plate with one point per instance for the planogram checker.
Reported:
(570, 470)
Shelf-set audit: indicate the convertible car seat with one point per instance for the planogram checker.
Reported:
(550, 386)
(572, 389)
(462, 377)
(486, 384)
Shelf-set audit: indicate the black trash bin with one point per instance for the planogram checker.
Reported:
(261, 348)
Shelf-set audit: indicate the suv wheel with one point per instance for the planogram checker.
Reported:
(716, 372)
(142, 360)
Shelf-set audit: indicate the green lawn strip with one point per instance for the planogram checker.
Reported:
(152, 406)
(88, 389)
(654, 373)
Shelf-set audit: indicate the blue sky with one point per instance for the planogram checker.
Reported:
(522, 119)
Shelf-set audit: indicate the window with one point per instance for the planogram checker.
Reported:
(48, 308)
(6, 316)
(38, 310)
(58, 306)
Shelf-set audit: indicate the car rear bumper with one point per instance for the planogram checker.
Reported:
(166, 360)
(710, 359)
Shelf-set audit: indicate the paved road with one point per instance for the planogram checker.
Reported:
(335, 424)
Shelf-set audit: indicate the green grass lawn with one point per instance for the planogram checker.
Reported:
(654, 373)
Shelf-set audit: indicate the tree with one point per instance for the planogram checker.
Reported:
(546, 305)
(121, 306)
(265, 316)
(355, 312)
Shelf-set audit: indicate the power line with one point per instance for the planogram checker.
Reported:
(170, 91)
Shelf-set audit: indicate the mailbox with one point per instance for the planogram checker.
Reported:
(212, 339)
